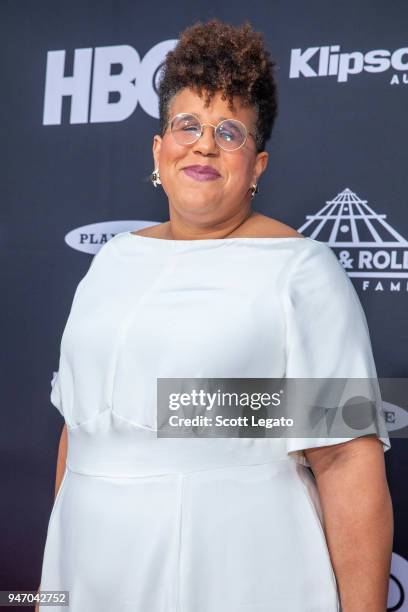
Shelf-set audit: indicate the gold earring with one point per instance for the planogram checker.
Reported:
(254, 190)
(155, 177)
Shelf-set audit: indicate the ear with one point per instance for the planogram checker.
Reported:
(261, 163)
(157, 141)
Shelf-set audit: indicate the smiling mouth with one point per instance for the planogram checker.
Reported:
(201, 175)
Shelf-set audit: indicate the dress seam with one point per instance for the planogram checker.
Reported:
(180, 474)
(179, 542)
(137, 425)
(125, 324)
(92, 418)
(284, 297)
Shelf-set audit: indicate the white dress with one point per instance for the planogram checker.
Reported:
(148, 524)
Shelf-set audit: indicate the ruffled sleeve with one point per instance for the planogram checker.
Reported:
(55, 395)
(327, 337)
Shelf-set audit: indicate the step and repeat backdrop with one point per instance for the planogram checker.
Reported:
(79, 112)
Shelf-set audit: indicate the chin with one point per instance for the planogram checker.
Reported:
(199, 204)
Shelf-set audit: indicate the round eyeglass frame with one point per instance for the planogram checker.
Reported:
(202, 125)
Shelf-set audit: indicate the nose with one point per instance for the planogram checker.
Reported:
(206, 144)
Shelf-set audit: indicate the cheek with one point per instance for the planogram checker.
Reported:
(170, 154)
(239, 172)
(170, 161)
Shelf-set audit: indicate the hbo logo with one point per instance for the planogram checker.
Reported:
(105, 85)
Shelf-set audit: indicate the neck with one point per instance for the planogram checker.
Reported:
(180, 229)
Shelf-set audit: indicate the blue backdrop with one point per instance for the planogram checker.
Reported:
(79, 111)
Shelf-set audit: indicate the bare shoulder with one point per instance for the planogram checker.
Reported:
(263, 226)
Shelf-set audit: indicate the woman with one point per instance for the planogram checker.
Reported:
(153, 524)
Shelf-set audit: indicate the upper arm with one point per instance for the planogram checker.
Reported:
(64, 437)
(321, 459)
(62, 457)
(63, 444)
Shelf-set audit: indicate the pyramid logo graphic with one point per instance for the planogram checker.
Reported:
(369, 246)
(349, 221)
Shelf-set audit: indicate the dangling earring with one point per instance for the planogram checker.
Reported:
(254, 190)
(155, 177)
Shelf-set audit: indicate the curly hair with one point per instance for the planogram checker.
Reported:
(216, 56)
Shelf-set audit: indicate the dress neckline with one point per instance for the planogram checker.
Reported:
(209, 241)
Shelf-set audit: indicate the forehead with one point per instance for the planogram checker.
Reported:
(188, 101)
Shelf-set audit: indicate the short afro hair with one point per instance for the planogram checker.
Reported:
(216, 56)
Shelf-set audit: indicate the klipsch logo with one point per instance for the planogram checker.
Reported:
(329, 61)
(105, 84)
(366, 245)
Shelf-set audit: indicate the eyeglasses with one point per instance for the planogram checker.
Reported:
(230, 134)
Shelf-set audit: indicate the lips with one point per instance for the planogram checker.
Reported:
(201, 173)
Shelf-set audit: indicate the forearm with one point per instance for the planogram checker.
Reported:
(358, 517)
